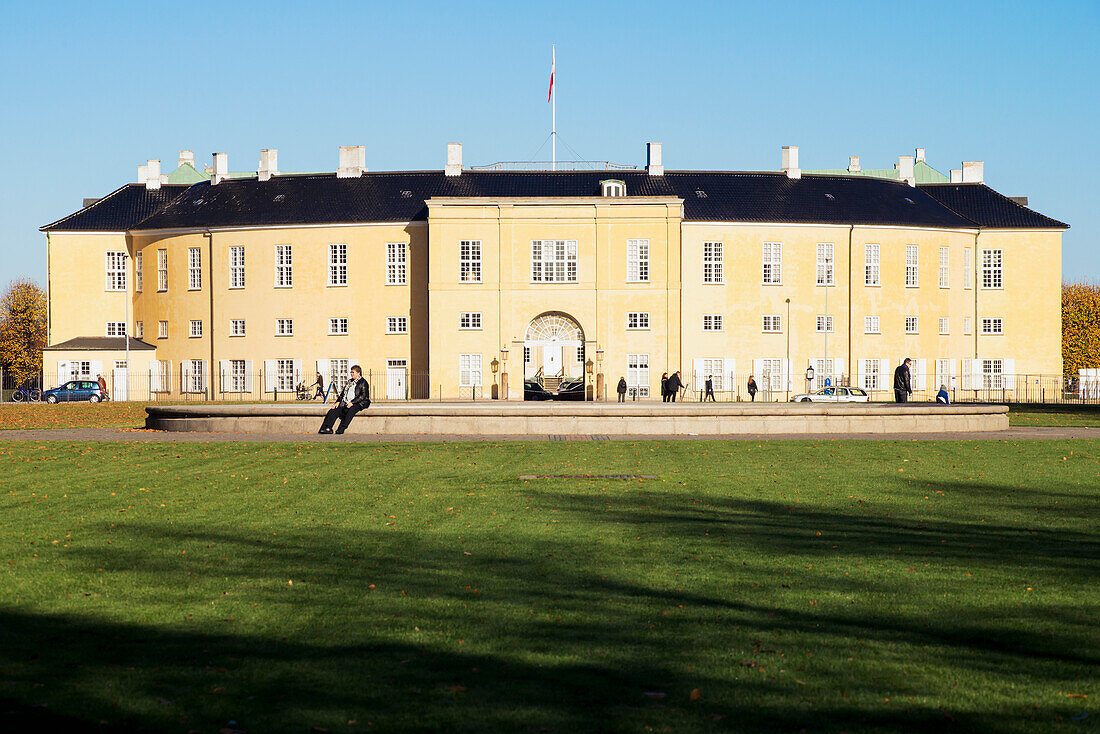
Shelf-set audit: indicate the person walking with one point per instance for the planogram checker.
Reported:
(674, 385)
(354, 397)
(903, 383)
(752, 389)
(621, 389)
(102, 385)
(664, 387)
(710, 389)
(319, 387)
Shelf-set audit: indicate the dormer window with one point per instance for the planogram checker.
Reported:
(611, 187)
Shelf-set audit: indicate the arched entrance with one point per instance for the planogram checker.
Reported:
(554, 344)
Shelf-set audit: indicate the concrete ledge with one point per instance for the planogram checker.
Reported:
(571, 419)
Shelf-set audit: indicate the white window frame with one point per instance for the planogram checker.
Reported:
(912, 266)
(772, 374)
(872, 264)
(236, 266)
(824, 370)
(236, 375)
(338, 325)
(637, 261)
(637, 374)
(116, 328)
(944, 370)
(712, 322)
(469, 261)
(945, 325)
(825, 272)
(195, 330)
(992, 270)
(139, 271)
(115, 277)
(396, 263)
(772, 323)
(824, 324)
(968, 275)
(284, 327)
(162, 330)
(284, 266)
(993, 326)
(284, 375)
(872, 325)
(469, 370)
(236, 327)
(162, 271)
(194, 268)
(714, 263)
(945, 267)
(716, 368)
(993, 374)
(339, 369)
(637, 321)
(871, 374)
(966, 325)
(469, 320)
(198, 376)
(337, 264)
(397, 324)
(139, 329)
(772, 259)
(559, 267)
(912, 325)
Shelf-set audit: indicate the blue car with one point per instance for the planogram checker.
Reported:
(75, 390)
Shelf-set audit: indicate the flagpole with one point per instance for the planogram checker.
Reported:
(554, 111)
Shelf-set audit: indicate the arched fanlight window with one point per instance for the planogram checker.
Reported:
(612, 187)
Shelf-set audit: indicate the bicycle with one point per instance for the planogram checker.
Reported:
(22, 394)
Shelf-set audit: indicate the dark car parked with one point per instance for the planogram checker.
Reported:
(571, 390)
(532, 390)
(75, 390)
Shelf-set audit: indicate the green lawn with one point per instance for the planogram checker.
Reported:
(772, 586)
(1068, 415)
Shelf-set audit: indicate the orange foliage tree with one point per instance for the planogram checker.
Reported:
(1080, 326)
(22, 329)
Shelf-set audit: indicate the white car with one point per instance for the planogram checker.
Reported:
(833, 395)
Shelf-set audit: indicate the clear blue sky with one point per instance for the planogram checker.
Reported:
(90, 90)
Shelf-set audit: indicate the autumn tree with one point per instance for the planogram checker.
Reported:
(1080, 326)
(22, 329)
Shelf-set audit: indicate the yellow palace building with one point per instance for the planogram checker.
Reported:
(466, 281)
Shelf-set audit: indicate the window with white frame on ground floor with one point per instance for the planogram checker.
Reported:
(773, 263)
(195, 379)
(469, 320)
(911, 269)
(825, 263)
(162, 270)
(337, 325)
(944, 373)
(966, 325)
(194, 268)
(871, 266)
(992, 326)
(714, 368)
(116, 328)
(637, 375)
(284, 375)
(637, 261)
(196, 328)
(116, 271)
(338, 264)
(236, 375)
(823, 372)
(911, 324)
(712, 322)
(236, 327)
(284, 266)
(713, 266)
(339, 372)
(871, 325)
(945, 267)
(396, 263)
(284, 327)
(469, 370)
(139, 329)
(992, 275)
(80, 370)
(139, 264)
(771, 374)
(637, 320)
(944, 324)
(772, 323)
(992, 374)
(236, 266)
(824, 324)
(553, 261)
(469, 261)
(162, 329)
(871, 376)
(968, 275)
(120, 364)
(397, 324)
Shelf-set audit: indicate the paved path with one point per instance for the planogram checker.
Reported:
(142, 435)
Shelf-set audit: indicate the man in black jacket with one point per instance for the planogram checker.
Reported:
(674, 385)
(354, 397)
(903, 384)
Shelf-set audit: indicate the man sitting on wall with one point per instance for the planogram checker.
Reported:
(354, 397)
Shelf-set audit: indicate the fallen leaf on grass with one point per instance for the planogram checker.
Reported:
(695, 694)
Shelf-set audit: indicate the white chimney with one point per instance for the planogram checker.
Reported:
(853, 164)
(221, 168)
(454, 159)
(905, 170)
(269, 164)
(973, 172)
(956, 175)
(353, 161)
(187, 158)
(152, 174)
(653, 165)
(920, 155)
(790, 161)
(143, 173)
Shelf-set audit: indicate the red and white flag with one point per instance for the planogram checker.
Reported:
(553, 61)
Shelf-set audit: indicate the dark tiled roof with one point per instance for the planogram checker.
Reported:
(119, 211)
(988, 208)
(101, 343)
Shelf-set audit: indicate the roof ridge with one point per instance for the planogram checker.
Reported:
(83, 209)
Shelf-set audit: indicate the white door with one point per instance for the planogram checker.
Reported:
(396, 376)
(551, 358)
(120, 384)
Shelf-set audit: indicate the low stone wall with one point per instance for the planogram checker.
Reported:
(570, 419)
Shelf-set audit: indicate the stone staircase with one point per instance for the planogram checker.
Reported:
(551, 382)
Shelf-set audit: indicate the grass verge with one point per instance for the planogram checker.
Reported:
(771, 586)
